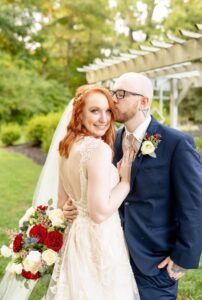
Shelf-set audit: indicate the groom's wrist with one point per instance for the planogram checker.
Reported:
(177, 269)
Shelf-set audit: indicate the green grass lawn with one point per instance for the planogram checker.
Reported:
(18, 177)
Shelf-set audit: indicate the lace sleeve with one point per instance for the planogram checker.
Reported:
(88, 146)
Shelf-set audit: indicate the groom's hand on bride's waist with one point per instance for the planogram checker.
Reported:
(175, 272)
(69, 210)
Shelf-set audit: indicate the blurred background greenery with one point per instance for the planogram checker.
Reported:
(49, 39)
(42, 43)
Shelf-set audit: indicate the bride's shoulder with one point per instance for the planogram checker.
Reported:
(94, 147)
(96, 143)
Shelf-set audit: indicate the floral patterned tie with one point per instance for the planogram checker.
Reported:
(130, 143)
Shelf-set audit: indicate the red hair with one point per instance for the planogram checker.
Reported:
(76, 128)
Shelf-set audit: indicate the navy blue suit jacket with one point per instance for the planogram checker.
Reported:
(162, 214)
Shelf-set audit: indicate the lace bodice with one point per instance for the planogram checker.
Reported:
(74, 174)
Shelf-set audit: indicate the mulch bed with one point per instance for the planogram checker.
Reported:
(35, 153)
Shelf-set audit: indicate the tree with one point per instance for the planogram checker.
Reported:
(77, 31)
(23, 93)
(137, 17)
(183, 14)
(53, 38)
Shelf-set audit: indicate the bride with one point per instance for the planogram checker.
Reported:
(93, 263)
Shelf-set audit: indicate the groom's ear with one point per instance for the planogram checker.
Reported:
(145, 103)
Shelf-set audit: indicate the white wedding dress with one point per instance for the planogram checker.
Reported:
(93, 263)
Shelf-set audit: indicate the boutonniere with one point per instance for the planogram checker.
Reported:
(150, 144)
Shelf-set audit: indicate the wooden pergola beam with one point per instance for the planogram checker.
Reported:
(180, 68)
(189, 51)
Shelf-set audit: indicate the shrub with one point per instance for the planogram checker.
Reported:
(191, 106)
(40, 129)
(198, 142)
(35, 128)
(155, 107)
(52, 120)
(24, 93)
(10, 133)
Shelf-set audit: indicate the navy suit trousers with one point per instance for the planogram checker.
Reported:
(158, 287)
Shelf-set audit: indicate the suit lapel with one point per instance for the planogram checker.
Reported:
(135, 167)
(139, 158)
(153, 127)
(118, 146)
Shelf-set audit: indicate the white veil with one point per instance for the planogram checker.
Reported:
(46, 188)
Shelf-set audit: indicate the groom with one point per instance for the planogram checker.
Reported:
(161, 216)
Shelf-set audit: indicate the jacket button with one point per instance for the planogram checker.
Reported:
(126, 203)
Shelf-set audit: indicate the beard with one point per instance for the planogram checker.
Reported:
(124, 117)
(127, 114)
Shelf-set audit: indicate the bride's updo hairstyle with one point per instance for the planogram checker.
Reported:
(76, 128)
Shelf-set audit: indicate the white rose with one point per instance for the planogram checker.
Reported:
(30, 211)
(32, 267)
(147, 147)
(6, 251)
(14, 268)
(57, 217)
(18, 268)
(32, 262)
(49, 256)
(34, 256)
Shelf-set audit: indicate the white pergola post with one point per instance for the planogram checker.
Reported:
(174, 103)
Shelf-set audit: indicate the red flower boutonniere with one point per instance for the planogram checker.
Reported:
(150, 144)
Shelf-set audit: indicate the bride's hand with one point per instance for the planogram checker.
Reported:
(69, 210)
(124, 166)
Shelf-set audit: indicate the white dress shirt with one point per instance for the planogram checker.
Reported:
(139, 132)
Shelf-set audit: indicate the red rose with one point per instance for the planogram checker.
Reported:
(54, 240)
(42, 207)
(157, 136)
(29, 275)
(17, 243)
(147, 136)
(39, 232)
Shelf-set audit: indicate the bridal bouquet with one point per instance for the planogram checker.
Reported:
(34, 249)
